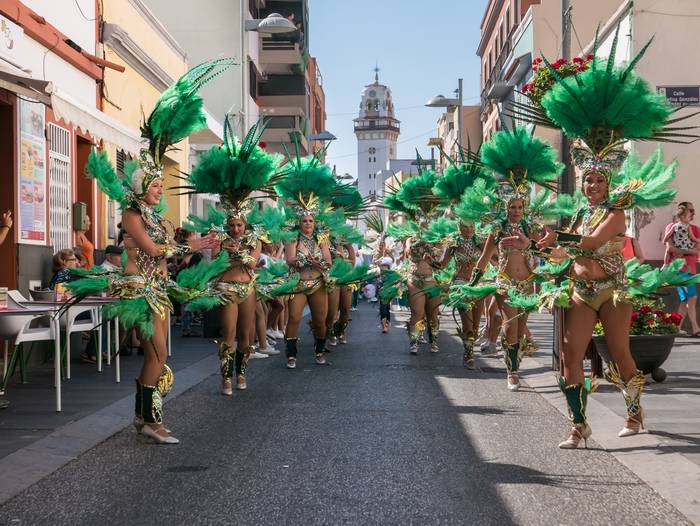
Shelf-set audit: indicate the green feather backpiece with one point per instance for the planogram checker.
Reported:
(341, 232)
(285, 287)
(463, 296)
(547, 206)
(198, 276)
(393, 285)
(479, 203)
(178, 111)
(132, 313)
(439, 231)
(521, 157)
(272, 220)
(374, 222)
(348, 198)
(203, 304)
(644, 185)
(357, 274)
(549, 296)
(392, 202)
(101, 169)
(401, 231)
(215, 221)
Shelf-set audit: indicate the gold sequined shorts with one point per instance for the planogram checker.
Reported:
(594, 293)
(235, 292)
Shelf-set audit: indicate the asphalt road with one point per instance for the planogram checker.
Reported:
(378, 437)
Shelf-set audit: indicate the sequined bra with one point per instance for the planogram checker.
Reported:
(608, 255)
(420, 249)
(149, 266)
(339, 251)
(508, 230)
(467, 251)
(313, 251)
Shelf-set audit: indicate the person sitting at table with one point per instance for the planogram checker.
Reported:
(63, 261)
(87, 249)
(113, 258)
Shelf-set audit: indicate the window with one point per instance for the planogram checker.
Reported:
(253, 80)
(60, 189)
(508, 19)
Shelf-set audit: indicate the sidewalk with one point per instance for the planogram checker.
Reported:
(32, 415)
(667, 457)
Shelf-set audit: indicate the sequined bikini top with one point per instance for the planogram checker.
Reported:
(609, 255)
(313, 250)
(339, 251)
(467, 251)
(420, 249)
(149, 266)
(506, 230)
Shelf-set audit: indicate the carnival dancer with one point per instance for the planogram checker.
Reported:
(306, 187)
(141, 289)
(601, 106)
(234, 171)
(415, 198)
(467, 246)
(347, 204)
(517, 159)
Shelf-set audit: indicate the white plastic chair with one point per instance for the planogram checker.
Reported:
(70, 324)
(21, 329)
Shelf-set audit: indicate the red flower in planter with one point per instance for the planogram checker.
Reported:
(644, 310)
(262, 144)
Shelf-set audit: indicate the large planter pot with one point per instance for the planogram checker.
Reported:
(649, 352)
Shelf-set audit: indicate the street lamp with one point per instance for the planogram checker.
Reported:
(440, 101)
(272, 24)
(322, 136)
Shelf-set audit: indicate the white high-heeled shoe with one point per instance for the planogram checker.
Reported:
(513, 386)
(578, 432)
(226, 387)
(633, 425)
(149, 432)
(241, 385)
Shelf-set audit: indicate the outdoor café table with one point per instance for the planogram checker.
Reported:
(90, 301)
(38, 311)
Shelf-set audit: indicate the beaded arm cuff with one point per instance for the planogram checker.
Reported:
(565, 238)
(476, 276)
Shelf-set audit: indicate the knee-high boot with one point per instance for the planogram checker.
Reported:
(576, 399)
(434, 331)
(632, 393)
(226, 360)
(320, 351)
(291, 349)
(241, 358)
(414, 333)
(468, 345)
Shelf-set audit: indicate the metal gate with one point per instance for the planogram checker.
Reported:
(60, 187)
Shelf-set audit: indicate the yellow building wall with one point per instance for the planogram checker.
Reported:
(129, 96)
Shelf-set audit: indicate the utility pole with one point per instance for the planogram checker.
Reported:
(566, 184)
(460, 99)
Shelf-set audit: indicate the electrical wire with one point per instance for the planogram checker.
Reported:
(683, 15)
(83, 14)
(382, 147)
(469, 99)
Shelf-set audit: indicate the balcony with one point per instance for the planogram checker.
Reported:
(276, 51)
(436, 141)
(281, 121)
(381, 124)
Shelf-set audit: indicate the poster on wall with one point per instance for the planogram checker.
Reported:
(32, 174)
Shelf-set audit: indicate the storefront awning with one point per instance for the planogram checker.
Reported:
(12, 79)
(92, 120)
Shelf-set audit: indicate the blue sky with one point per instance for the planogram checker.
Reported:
(422, 48)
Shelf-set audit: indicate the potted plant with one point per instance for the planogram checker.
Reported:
(652, 333)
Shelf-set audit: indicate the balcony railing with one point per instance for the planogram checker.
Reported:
(281, 121)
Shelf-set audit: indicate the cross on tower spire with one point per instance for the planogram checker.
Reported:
(376, 73)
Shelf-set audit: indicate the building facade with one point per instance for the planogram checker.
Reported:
(51, 72)
(447, 140)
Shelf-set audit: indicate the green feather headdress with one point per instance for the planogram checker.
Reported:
(306, 184)
(603, 107)
(234, 171)
(518, 158)
(416, 193)
(177, 113)
(460, 175)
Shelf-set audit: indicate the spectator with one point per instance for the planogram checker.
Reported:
(369, 291)
(678, 238)
(63, 261)
(5, 228)
(87, 249)
(385, 263)
(113, 258)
